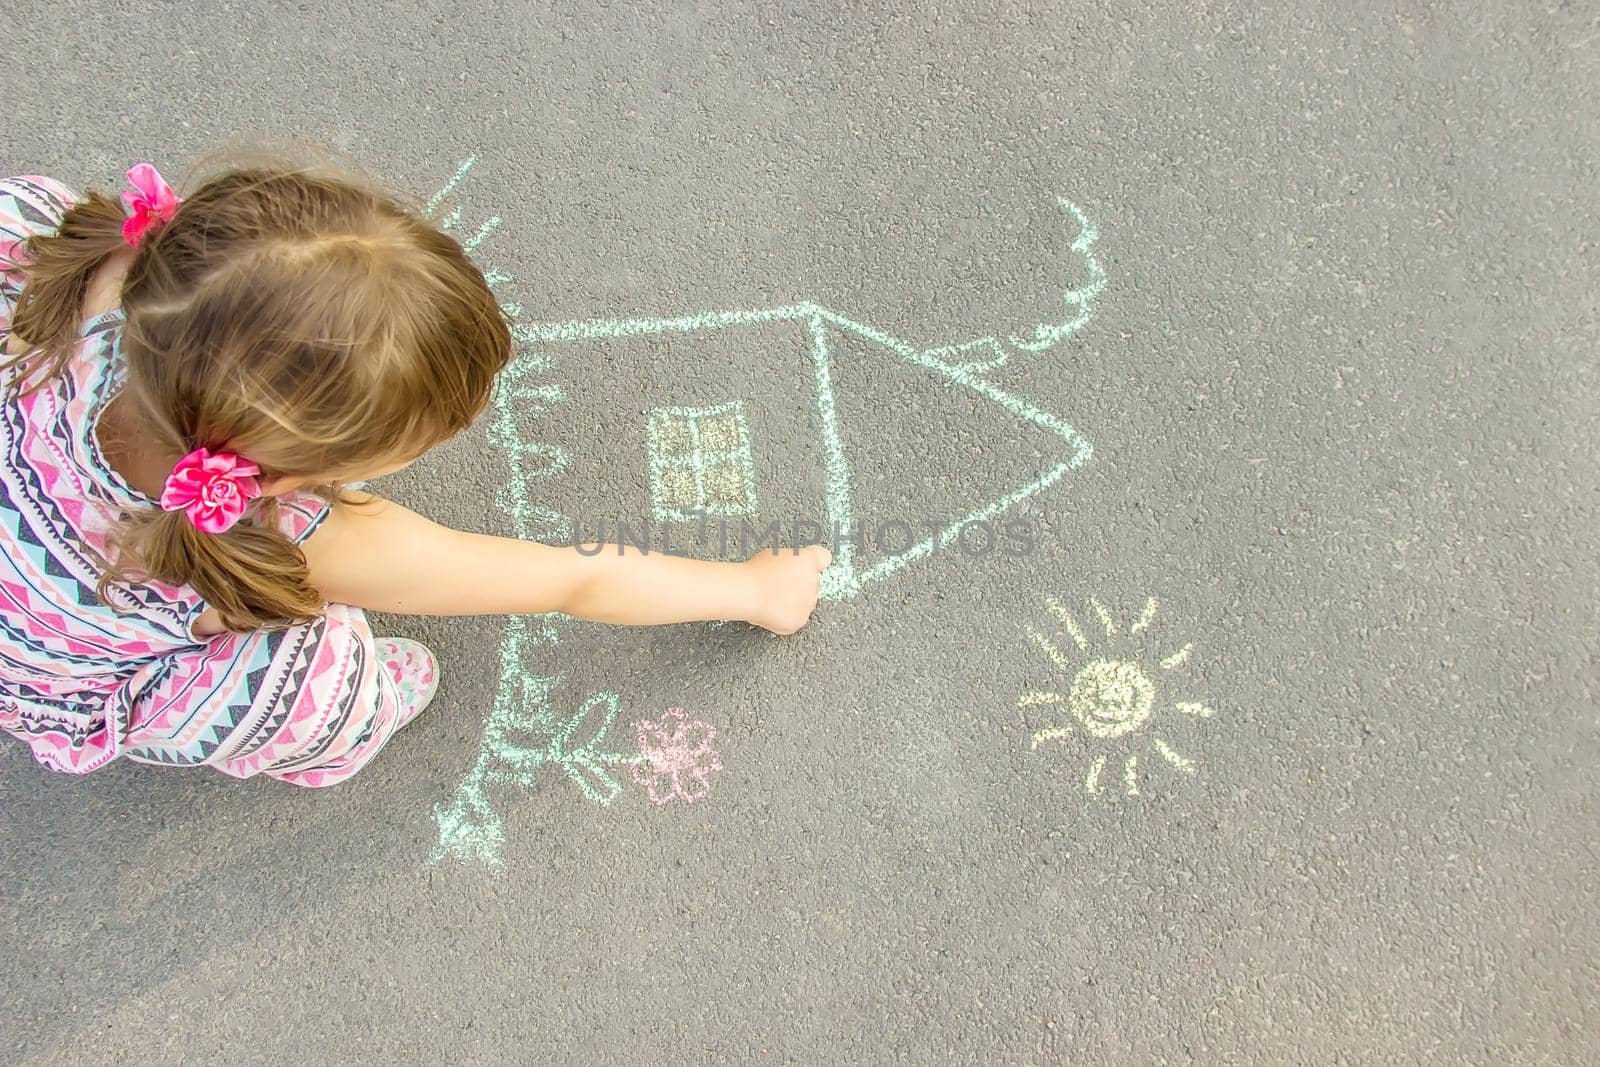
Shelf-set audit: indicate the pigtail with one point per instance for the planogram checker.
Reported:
(297, 319)
(252, 574)
(48, 314)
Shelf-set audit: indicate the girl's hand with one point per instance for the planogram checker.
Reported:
(785, 586)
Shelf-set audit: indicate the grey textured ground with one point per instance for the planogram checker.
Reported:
(1341, 388)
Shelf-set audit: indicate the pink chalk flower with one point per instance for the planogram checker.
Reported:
(679, 757)
(213, 490)
(151, 200)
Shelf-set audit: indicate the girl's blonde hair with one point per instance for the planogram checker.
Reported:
(295, 314)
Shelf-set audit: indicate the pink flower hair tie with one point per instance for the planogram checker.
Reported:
(212, 489)
(151, 200)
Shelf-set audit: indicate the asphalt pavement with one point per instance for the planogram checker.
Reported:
(1208, 395)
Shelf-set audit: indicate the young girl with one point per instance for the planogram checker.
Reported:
(187, 382)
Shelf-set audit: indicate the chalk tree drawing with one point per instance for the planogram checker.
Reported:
(526, 732)
(721, 476)
(1112, 696)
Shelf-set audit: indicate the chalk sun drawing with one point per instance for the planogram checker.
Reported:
(699, 460)
(1113, 695)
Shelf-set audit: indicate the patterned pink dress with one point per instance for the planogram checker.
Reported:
(83, 683)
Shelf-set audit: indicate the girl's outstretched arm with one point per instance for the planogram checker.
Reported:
(382, 556)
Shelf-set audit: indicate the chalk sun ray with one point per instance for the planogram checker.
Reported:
(1055, 654)
(1177, 659)
(1054, 733)
(1105, 616)
(1091, 783)
(1184, 765)
(1068, 623)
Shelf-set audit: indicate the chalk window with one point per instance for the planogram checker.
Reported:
(700, 462)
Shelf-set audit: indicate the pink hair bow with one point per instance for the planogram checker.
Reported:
(212, 489)
(151, 200)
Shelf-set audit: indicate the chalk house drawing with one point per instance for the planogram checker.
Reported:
(699, 461)
(968, 365)
(1113, 695)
